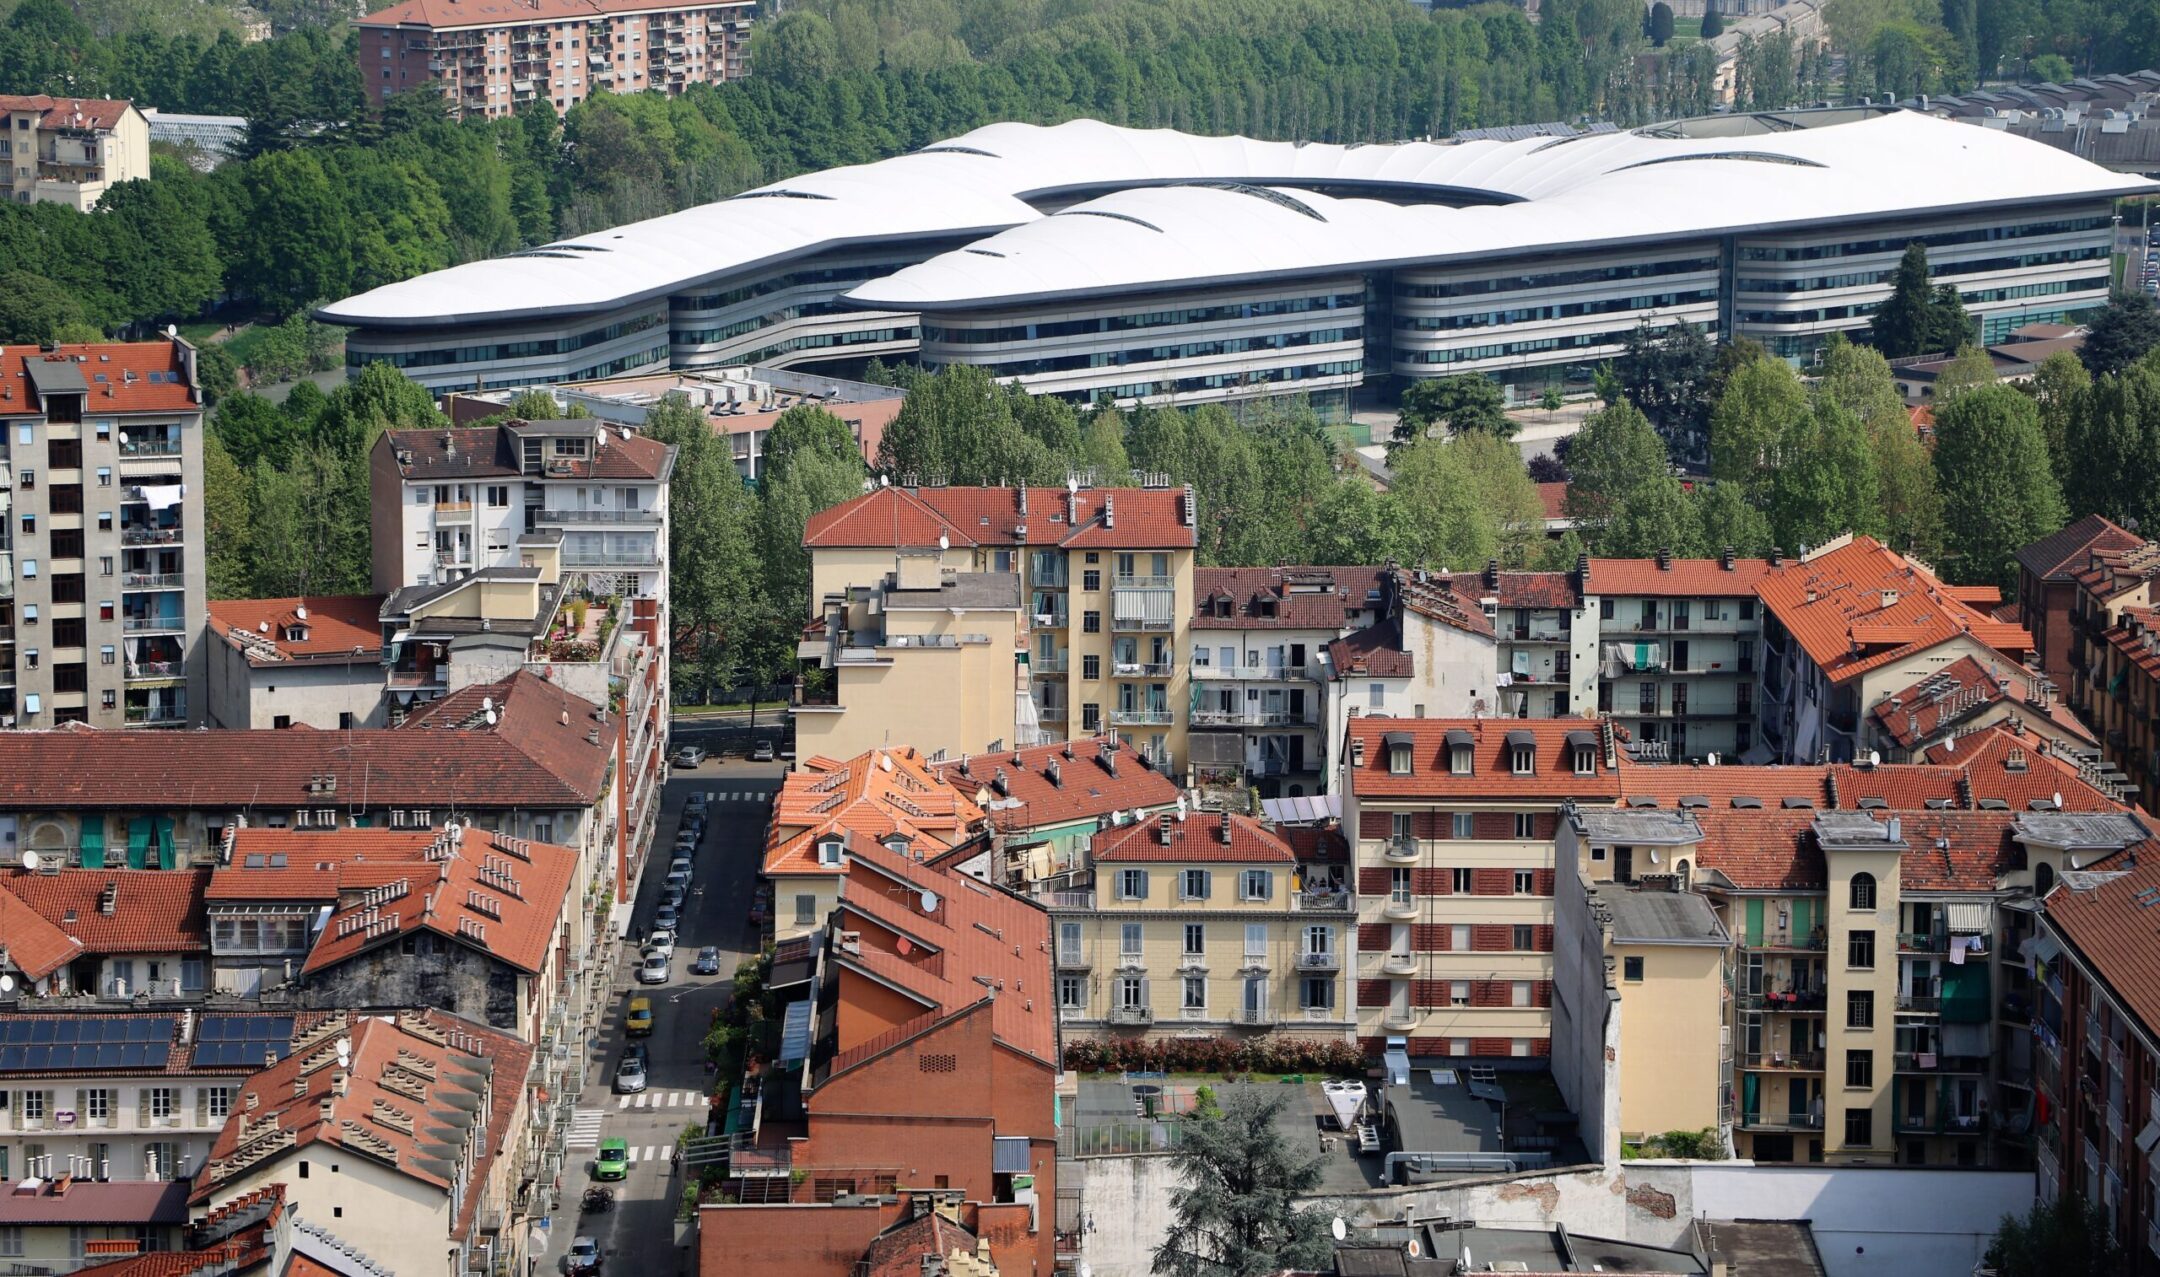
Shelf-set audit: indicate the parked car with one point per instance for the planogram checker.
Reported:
(677, 880)
(666, 917)
(679, 865)
(708, 961)
(613, 1161)
(639, 1022)
(689, 756)
(655, 969)
(662, 940)
(630, 1074)
(762, 752)
(583, 1259)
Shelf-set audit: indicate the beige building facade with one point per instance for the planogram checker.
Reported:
(69, 150)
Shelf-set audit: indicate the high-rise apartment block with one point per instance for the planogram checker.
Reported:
(490, 57)
(101, 555)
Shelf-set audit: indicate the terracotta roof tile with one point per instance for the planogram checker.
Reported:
(98, 1202)
(1553, 496)
(1282, 598)
(1194, 840)
(336, 625)
(1373, 652)
(1138, 518)
(1767, 850)
(1960, 690)
(1669, 783)
(154, 910)
(2111, 925)
(1083, 790)
(1681, 578)
(35, 946)
(493, 452)
(1317, 844)
(899, 1251)
(1541, 590)
(314, 864)
(1491, 777)
(1860, 605)
(501, 895)
(1437, 598)
(2111, 572)
(871, 796)
(128, 369)
(2055, 556)
(68, 113)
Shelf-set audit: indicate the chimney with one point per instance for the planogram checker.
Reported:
(1492, 574)
(1224, 828)
(1664, 559)
(1357, 753)
(1162, 831)
(1777, 557)
(1582, 570)
(1725, 560)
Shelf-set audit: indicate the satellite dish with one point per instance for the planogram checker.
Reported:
(30, 860)
(171, 331)
(1874, 758)
(944, 542)
(491, 718)
(929, 902)
(2058, 800)
(7, 984)
(1338, 1228)
(1412, 1248)
(884, 481)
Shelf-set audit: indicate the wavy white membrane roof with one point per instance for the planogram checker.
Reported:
(981, 181)
(1587, 192)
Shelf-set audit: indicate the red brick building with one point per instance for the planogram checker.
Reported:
(2047, 587)
(918, 1054)
(488, 57)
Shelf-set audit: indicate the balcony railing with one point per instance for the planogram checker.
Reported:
(551, 515)
(155, 446)
(157, 713)
(1816, 940)
(1131, 1015)
(1140, 717)
(1790, 1061)
(1400, 907)
(1935, 1062)
(1923, 941)
(1920, 1003)
(1072, 959)
(1041, 664)
(1783, 1000)
(1782, 1121)
(611, 558)
(153, 581)
(1051, 578)
(152, 624)
(1402, 1021)
(150, 536)
(1327, 960)
(1399, 964)
(1143, 582)
(1320, 902)
(1258, 1017)
(1270, 673)
(461, 510)
(155, 669)
(1142, 669)
(1050, 713)
(1401, 850)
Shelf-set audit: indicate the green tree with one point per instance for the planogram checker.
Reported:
(1726, 519)
(2122, 334)
(2052, 68)
(300, 243)
(1756, 410)
(1713, 24)
(1998, 491)
(1234, 1211)
(958, 425)
(1825, 482)
(1462, 403)
(1616, 456)
(227, 522)
(1670, 373)
(252, 429)
(2059, 388)
(1969, 370)
(535, 405)
(806, 429)
(714, 575)
(34, 309)
(812, 463)
(1354, 523)
(2067, 1235)
(1661, 24)
(2115, 438)
(1656, 516)
(1950, 325)
(1907, 322)
(1467, 500)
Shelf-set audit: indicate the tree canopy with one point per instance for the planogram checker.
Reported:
(1233, 1211)
(1918, 319)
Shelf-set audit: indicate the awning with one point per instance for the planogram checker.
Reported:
(93, 842)
(161, 829)
(1522, 736)
(1965, 993)
(1457, 736)
(138, 848)
(2149, 1137)
(1009, 1155)
(1392, 739)
(1582, 740)
(1971, 918)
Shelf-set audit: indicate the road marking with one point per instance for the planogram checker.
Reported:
(584, 1129)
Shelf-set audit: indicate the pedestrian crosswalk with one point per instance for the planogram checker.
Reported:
(650, 1153)
(584, 1129)
(738, 795)
(662, 1100)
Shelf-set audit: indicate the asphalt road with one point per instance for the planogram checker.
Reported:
(639, 1235)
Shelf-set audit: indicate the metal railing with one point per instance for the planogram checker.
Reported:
(151, 624)
(1324, 960)
(153, 580)
(611, 558)
(1140, 717)
(1040, 664)
(1320, 902)
(157, 713)
(1401, 849)
(1785, 938)
(150, 536)
(154, 669)
(1131, 1015)
(1925, 1003)
(1923, 941)
(151, 447)
(554, 515)
(1143, 582)
(453, 507)
(1798, 1061)
(1783, 1121)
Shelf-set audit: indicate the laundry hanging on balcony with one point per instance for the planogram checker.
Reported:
(164, 496)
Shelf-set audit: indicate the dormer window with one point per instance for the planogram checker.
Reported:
(1522, 761)
(1585, 761)
(828, 851)
(897, 844)
(1397, 745)
(1459, 760)
(296, 633)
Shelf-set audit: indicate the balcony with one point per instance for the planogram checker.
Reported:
(1399, 964)
(1784, 1061)
(1923, 942)
(1320, 901)
(1072, 960)
(1395, 1021)
(551, 516)
(1919, 1003)
(1539, 634)
(1933, 1062)
(1140, 718)
(460, 558)
(133, 449)
(153, 624)
(646, 558)
(1050, 713)
(453, 512)
(155, 715)
(1131, 1015)
(1039, 664)
(1256, 1017)
(1132, 669)
(1327, 960)
(150, 670)
(150, 536)
(1068, 899)
(1815, 941)
(153, 581)
(1051, 577)
(1400, 908)
(1781, 1121)
(1783, 1000)
(1401, 851)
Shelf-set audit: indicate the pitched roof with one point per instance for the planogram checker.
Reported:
(899, 1250)
(2115, 571)
(2055, 556)
(120, 377)
(873, 795)
(490, 452)
(1858, 605)
(1286, 598)
(1196, 839)
(413, 1092)
(314, 864)
(1092, 518)
(1669, 783)
(1999, 765)
(501, 895)
(2110, 924)
(1373, 652)
(1679, 578)
(335, 625)
(447, 756)
(1491, 777)
(97, 1202)
(978, 933)
(1434, 596)
(1545, 590)
(1772, 849)
(1058, 783)
(35, 946)
(1958, 691)
(1553, 496)
(68, 113)
(153, 910)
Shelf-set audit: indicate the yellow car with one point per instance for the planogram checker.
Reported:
(639, 1022)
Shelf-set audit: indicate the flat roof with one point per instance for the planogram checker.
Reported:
(1431, 1118)
(1641, 916)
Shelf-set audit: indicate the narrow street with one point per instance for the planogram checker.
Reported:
(639, 1235)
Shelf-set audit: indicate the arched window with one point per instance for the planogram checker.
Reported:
(1682, 869)
(2043, 878)
(1863, 891)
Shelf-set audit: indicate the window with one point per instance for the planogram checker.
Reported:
(1859, 1127)
(1398, 760)
(1131, 993)
(1460, 881)
(1585, 761)
(1605, 609)
(1317, 993)
(1522, 993)
(1195, 993)
(1646, 697)
(1525, 825)
(1462, 825)
(1522, 760)
(11, 1240)
(1376, 694)
(1458, 993)
(105, 611)
(1256, 939)
(158, 1102)
(1195, 939)
(1091, 666)
(1860, 950)
(1525, 882)
(1459, 760)
(1863, 891)
(1193, 884)
(1259, 885)
(111, 698)
(1091, 579)
(806, 911)
(1399, 886)
(97, 1105)
(1129, 940)
(1459, 938)
(1132, 884)
(828, 850)
(1631, 970)
(1091, 621)
(1860, 1068)
(35, 1105)
(1747, 609)
(1090, 716)
(1859, 1009)
(1072, 992)
(1399, 827)
(104, 476)
(29, 525)
(498, 496)
(1523, 937)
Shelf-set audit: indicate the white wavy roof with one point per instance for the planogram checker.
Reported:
(977, 183)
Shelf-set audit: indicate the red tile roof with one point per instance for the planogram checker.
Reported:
(154, 910)
(1373, 652)
(2056, 556)
(336, 625)
(1541, 590)
(1083, 788)
(490, 13)
(1960, 690)
(899, 1251)
(97, 1202)
(1553, 496)
(1768, 850)
(1198, 838)
(1436, 597)
(977, 933)
(1680, 578)
(403, 1105)
(118, 392)
(870, 796)
(68, 113)
(492, 452)
(1093, 518)
(1491, 778)
(1669, 783)
(1860, 605)
(503, 896)
(1300, 598)
(2111, 926)
(314, 864)
(444, 757)
(2115, 571)
(2016, 769)
(1316, 844)
(35, 946)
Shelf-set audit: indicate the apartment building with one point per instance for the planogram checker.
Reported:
(1044, 806)
(392, 1130)
(1548, 643)
(1205, 921)
(1429, 651)
(1097, 565)
(107, 933)
(1453, 824)
(59, 1226)
(69, 150)
(2112, 610)
(315, 662)
(491, 59)
(2047, 587)
(1680, 640)
(123, 1096)
(2127, 715)
(828, 806)
(101, 560)
(2095, 1048)
(1258, 706)
(1966, 696)
(1849, 625)
(920, 1052)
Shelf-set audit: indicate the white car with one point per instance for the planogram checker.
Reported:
(657, 968)
(661, 941)
(679, 865)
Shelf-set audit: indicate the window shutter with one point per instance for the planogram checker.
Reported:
(202, 1105)
(1207, 884)
(142, 1106)
(82, 1108)
(1143, 884)
(1267, 886)
(1147, 992)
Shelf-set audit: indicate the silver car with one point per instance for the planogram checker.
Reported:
(630, 1075)
(655, 969)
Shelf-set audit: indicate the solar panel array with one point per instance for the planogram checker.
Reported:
(243, 1039)
(91, 1042)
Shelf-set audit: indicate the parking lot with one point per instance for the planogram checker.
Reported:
(639, 1234)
